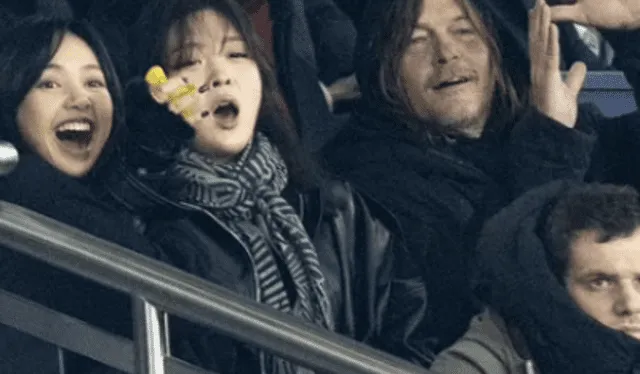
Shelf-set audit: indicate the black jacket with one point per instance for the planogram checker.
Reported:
(298, 72)
(374, 301)
(84, 203)
(38, 186)
(441, 198)
(514, 277)
(378, 299)
(442, 191)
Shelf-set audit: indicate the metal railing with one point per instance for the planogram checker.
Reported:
(158, 288)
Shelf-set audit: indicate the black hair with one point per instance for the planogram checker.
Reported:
(611, 211)
(24, 58)
(274, 120)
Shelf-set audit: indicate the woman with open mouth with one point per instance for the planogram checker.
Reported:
(61, 106)
(244, 206)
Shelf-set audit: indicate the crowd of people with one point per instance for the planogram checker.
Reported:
(416, 175)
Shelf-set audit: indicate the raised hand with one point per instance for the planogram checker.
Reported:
(607, 14)
(551, 95)
(180, 96)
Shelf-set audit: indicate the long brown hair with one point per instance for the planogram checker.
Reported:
(385, 44)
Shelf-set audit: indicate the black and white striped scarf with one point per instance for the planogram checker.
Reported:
(246, 195)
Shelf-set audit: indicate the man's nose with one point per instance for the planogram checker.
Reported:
(628, 299)
(446, 50)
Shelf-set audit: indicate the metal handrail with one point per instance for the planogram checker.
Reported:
(182, 294)
(73, 335)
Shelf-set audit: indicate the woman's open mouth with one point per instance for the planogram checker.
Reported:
(75, 135)
(226, 113)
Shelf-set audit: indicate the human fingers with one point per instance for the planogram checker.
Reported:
(553, 48)
(576, 76)
(569, 13)
(165, 89)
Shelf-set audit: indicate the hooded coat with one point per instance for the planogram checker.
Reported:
(515, 279)
(443, 190)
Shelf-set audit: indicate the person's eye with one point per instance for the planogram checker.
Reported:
(419, 38)
(600, 283)
(96, 83)
(465, 31)
(47, 84)
(238, 55)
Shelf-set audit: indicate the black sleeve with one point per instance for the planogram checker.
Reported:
(617, 153)
(541, 150)
(403, 309)
(334, 37)
(434, 218)
(155, 134)
(389, 284)
(297, 73)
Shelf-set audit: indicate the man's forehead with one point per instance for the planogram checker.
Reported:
(441, 11)
(617, 255)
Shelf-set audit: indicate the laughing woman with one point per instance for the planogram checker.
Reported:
(61, 105)
(250, 213)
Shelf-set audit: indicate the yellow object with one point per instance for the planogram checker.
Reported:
(186, 113)
(182, 91)
(156, 76)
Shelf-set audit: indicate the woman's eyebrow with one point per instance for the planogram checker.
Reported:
(53, 65)
(183, 46)
(233, 38)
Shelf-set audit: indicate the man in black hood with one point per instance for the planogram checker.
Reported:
(560, 268)
(456, 121)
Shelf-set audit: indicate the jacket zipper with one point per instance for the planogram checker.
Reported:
(253, 265)
(230, 232)
(160, 199)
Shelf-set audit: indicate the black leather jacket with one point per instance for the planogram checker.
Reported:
(375, 300)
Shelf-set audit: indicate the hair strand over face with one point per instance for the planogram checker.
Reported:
(274, 121)
(385, 42)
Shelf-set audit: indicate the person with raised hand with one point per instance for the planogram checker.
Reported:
(456, 120)
(244, 207)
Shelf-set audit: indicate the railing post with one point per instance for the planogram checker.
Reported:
(150, 339)
(61, 361)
